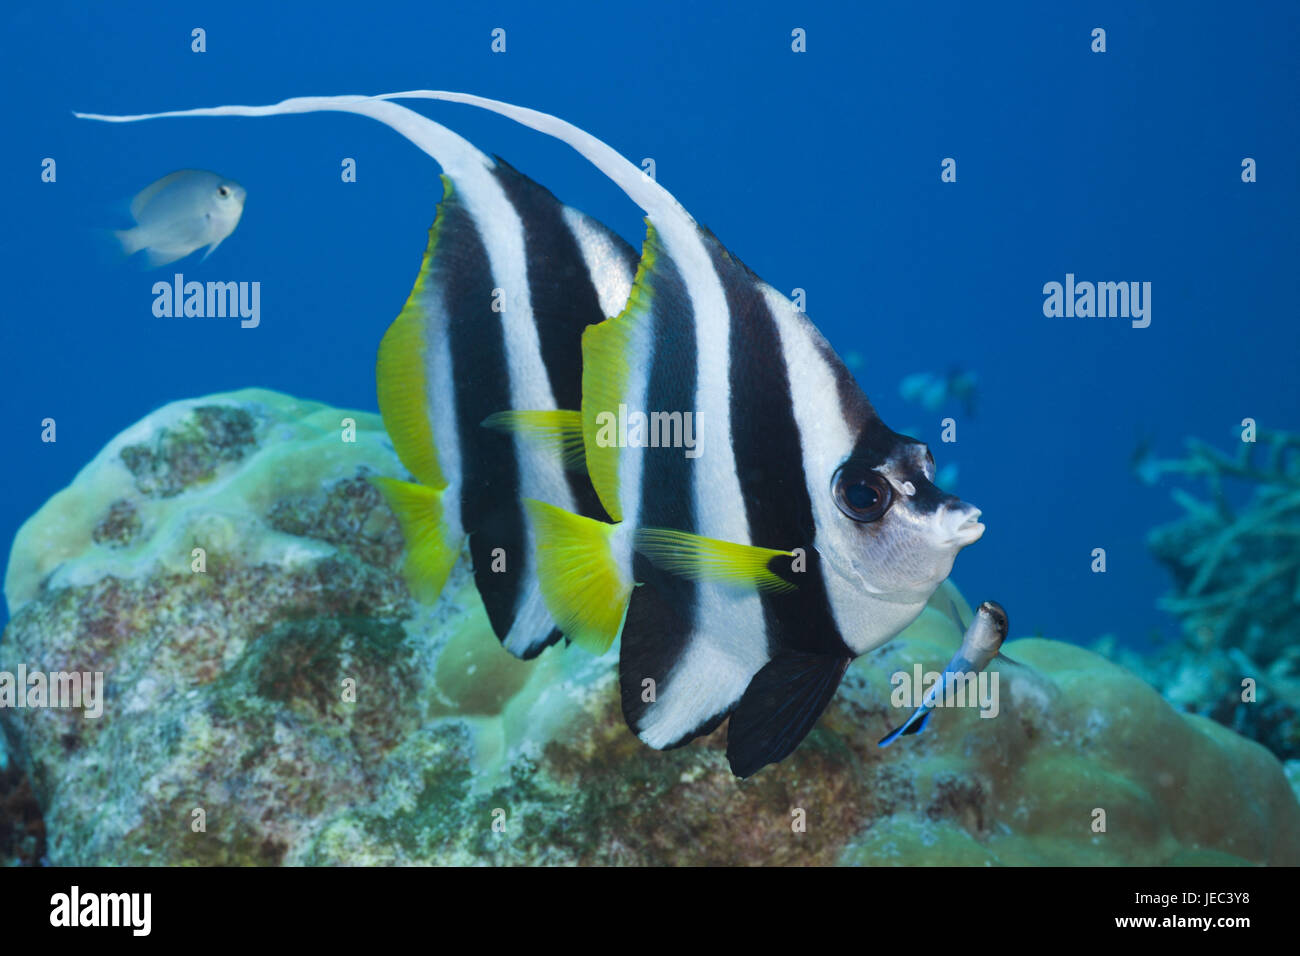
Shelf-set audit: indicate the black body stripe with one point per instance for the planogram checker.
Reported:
(564, 302)
(490, 507)
(854, 405)
(875, 441)
(768, 453)
(661, 612)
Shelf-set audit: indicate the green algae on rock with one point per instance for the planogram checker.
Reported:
(290, 703)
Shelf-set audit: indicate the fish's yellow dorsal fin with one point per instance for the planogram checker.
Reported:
(607, 350)
(559, 429)
(401, 373)
(708, 559)
(431, 551)
(580, 579)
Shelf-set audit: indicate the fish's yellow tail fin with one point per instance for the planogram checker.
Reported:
(584, 588)
(431, 551)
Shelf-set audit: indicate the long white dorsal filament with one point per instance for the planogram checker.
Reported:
(657, 202)
(458, 157)
(455, 154)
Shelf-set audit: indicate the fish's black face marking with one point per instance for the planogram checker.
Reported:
(914, 464)
(927, 497)
(860, 492)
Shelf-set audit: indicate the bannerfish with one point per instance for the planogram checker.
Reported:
(981, 643)
(181, 212)
(740, 515)
(509, 280)
(461, 356)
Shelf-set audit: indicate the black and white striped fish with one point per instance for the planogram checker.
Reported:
(509, 280)
(743, 572)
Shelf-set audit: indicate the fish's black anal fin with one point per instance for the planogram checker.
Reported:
(780, 707)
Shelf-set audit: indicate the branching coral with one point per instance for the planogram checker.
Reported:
(1235, 562)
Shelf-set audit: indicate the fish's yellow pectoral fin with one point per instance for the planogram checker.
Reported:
(559, 429)
(430, 550)
(709, 559)
(585, 591)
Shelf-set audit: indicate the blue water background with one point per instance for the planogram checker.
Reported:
(820, 170)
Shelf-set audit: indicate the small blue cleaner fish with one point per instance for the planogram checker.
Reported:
(181, 212)
(983, 639)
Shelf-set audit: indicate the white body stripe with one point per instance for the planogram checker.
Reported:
(721, 658)
(609, 271)
(866, 620)
(631, 461)
(440, 405)
(541, 471)
(728, 644)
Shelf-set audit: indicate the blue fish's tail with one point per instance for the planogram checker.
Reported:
(914, 725)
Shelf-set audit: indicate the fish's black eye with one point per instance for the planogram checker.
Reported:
(223, 190)
(862, 494)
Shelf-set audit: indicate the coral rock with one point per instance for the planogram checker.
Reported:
(290, 703)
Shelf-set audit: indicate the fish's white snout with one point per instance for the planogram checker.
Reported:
(961, 523)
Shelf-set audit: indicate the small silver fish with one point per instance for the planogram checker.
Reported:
(181, 212)
(983, 639)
